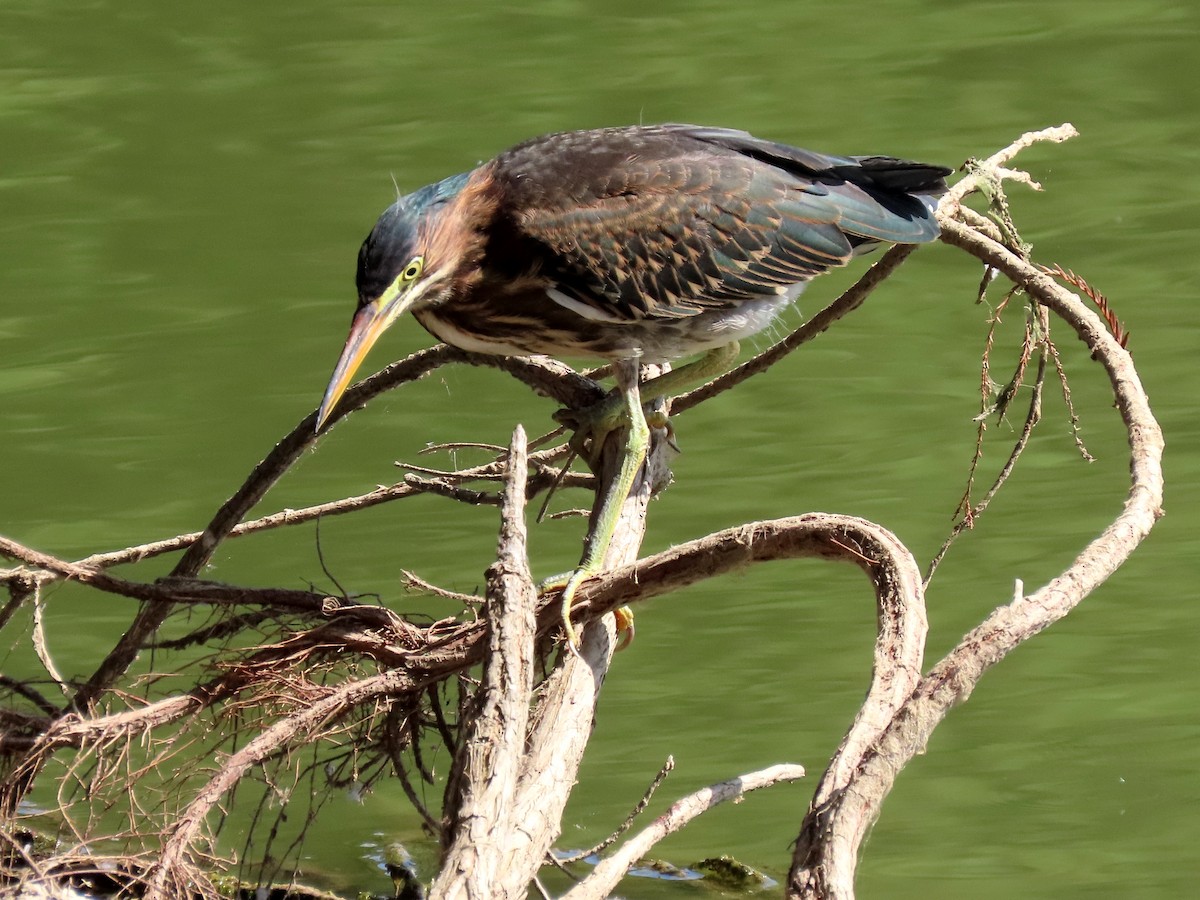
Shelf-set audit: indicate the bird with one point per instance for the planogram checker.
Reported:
(634, 244)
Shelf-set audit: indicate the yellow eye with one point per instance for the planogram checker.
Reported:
(413, 270)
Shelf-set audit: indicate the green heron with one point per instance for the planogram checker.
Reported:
(639, 245)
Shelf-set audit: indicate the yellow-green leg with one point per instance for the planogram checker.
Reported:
(633, 454)
(604, 417)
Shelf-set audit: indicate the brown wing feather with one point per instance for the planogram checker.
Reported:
(646, 223)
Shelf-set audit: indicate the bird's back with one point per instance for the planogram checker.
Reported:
(576, 168)
(664, 240)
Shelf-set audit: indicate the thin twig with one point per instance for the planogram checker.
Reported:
(433, 825)
(449, 739)
(42, 648)
(224, 628)
(447, 446)
(164, 882)
(384, 494)
(450, 491)
(1110, 317)
(25, 690)
(971, 513)
(1076, 435)
(321, 560)
(568, 859)
(415, 582)
(21, 584)
(608, 872)
(986, 391)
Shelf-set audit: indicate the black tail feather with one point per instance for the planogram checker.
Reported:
(893, 174)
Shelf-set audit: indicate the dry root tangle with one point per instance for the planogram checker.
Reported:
(287, 693)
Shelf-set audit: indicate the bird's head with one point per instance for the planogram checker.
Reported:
(401, 267)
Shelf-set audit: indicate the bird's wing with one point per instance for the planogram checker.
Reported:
(637, 223)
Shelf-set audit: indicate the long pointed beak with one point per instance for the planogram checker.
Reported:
(369, 322)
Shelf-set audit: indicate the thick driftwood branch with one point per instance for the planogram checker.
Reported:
(822, 535)
(478, 819)
(562, 723)
(548, 763)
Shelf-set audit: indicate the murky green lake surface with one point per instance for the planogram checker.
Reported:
(183, 189)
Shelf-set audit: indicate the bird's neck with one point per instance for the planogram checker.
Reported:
(460, 235)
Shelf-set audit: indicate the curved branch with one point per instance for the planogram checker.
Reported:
(825, 868)
(899, 641)
(824, 535)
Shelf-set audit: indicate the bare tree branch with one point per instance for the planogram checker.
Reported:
(545, 375)
(609, 872)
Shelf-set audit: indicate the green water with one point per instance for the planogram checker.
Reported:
(182, 193)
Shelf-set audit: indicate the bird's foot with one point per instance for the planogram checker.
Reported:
(570, 635)
(592, 425)
(570, 582)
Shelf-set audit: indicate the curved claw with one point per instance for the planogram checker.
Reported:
(625, 629)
